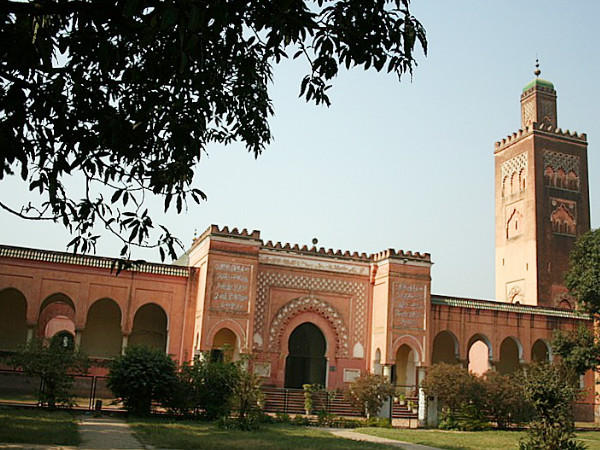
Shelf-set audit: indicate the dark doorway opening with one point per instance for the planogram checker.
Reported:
(306, 362)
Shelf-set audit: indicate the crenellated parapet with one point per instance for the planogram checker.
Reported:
(312, 251)
(304, 249)
(547, 129)
(390, 253)
(214, 230)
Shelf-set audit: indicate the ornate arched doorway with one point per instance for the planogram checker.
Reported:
(306, 362)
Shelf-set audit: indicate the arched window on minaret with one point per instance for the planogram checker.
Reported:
(572, 181)
(561, 178)
(522, 179)
(514, 183)
(549, 176)
(505, 186)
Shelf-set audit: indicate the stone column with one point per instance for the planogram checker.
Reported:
(125, 343)
(386, 408)
(493, 364)
(78, 338)
(31, 331)
(422, 414)
(387, 371)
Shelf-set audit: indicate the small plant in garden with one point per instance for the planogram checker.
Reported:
(247, 399)
(140, 376)
(309, 390)
(378, 422)
(368, 393)
(401, 398)
(55, 364)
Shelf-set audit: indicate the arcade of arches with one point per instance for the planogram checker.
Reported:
(101, 335)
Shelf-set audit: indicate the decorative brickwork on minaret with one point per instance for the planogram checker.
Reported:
(542, 201)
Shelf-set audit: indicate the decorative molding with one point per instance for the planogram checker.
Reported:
(514, 164)
(556, 160)
(309, 304)
(313, 264)
(357, 291)
(229, 323)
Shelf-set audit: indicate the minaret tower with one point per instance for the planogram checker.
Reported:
(542, 201)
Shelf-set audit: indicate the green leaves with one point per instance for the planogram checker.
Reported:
(140, 376)
(583, 277)
(578, 349)
(128, 96)
(54, 364)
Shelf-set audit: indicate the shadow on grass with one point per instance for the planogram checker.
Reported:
(38, 427)
(206, 436)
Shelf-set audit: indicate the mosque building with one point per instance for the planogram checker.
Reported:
(315, 315)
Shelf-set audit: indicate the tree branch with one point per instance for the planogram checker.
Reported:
(24, 216)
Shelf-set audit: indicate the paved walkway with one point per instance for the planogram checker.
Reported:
(349, 434)
(107, 433)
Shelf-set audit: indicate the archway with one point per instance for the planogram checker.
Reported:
(150, 327)
(13, 321)
(102, 336)
(445, 348)
(306, 362)
(405, 369)
(540, 351)
(57, 312)
(225, 343)
(479, 354)
(65, 339)
(510, 356)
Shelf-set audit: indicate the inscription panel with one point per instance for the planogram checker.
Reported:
(408, 302)
(231, 287)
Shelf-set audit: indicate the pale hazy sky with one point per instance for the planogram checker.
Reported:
(404, 165)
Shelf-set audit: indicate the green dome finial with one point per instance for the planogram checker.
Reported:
(538, 81)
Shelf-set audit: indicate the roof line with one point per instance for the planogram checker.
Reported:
(89, 261)
(492, 305)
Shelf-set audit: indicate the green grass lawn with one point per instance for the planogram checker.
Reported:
(464, 440)
(206, 436)
(38, 427)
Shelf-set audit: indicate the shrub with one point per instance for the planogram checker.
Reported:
(205, 388)
(504, 399)
(140, 376)
(368, 392)
(378, 422)
(301, 420)
(247, 398)
(460, 395)
(551, 391)
(282, 418)
(55, 364)
(326, 419)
